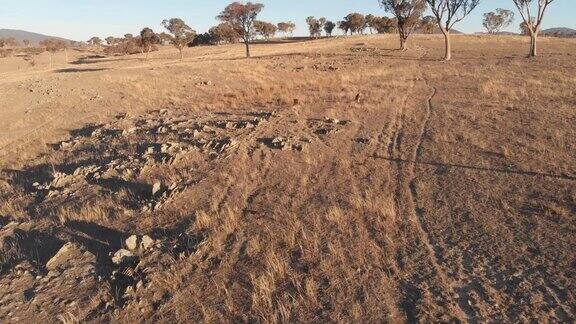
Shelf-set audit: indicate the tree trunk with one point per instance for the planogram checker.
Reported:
(66, 56)
(181, 54)
(247, 48)
(533, 45)
(50, 60)
(403, 41)
(448, 45)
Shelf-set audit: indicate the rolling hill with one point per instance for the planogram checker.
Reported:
(561, 31)
(21, 35)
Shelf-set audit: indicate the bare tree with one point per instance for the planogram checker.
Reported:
(407, 14)
(448, 13)
(242, 16)
(532, 24)
(26, 42)
(495, 21)
(182, 34)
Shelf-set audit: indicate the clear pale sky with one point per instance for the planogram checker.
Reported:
(81, 19)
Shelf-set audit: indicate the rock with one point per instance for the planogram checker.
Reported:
(123, 256)
(129, 131)
(279, 143)
(132, 242)
(147, 242)
(332, 120)
(157, 188)
(65, 145)
(72, 256)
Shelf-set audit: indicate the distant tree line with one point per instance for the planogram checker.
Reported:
(239, 23)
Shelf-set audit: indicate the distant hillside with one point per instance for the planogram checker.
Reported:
(560, 31)
(498, 33)
(21, 35)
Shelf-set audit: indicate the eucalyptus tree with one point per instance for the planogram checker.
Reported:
(532, 24)
(448, 13)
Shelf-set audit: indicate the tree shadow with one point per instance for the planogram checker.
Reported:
(74, 70)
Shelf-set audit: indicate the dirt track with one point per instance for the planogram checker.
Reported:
(396, 187)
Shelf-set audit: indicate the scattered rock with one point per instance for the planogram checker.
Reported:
(73, 257)
(147, 242)
(132, 242)
(362, 140)
(123, 256)
(279, 143)
(157, 188)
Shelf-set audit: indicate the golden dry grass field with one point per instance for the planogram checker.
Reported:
(335, 180)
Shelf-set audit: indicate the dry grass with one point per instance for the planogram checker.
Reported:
(352, 228)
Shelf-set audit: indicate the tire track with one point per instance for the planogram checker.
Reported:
(407, 203)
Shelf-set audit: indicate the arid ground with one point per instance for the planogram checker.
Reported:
(331, 180)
